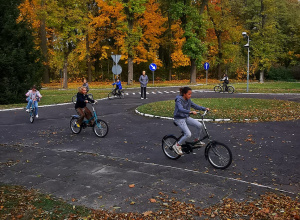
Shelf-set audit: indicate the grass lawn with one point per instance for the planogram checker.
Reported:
(53, 94)
(236, 109)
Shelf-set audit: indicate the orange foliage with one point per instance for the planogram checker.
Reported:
(152, 25)
(178, 58)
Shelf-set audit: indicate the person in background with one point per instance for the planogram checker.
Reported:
(182, 118)
(118, 87)
(225, 81)
(34, 96)
(85, 84)
(80, 106)
(144, 81)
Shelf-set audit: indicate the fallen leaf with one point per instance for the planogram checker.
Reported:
(132, 203)
(147, 213)
(131, 186)
(152, 200)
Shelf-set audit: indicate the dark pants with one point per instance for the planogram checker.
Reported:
(84, 112)
(143, 92)
(225, 86)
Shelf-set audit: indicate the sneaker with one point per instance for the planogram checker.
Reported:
(199, 144)
(142, 98)
(37, 116)
(27, 110)
(177, 148)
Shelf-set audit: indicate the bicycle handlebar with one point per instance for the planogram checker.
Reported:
(204, 113)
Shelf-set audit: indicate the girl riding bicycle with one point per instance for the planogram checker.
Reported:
(81, 108)
(182, 117)
(34, 96)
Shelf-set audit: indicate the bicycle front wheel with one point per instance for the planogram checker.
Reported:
(167, 147)
(230, 89)
(31, 118)
(100, 128)
(111, 95)
(73, 126)
(218, 155)
(218, 89)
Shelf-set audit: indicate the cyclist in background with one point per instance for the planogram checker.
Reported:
(182, 118)
(34, 96)
(225, 81)
(118, 87)
(81, 108)
(85, 84)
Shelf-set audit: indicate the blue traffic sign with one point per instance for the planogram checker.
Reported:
(206, 66)
(152, 67)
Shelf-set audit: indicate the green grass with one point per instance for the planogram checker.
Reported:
(236, 109)
(268, 87)
(56, 96)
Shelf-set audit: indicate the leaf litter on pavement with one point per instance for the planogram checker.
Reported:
(16, 202)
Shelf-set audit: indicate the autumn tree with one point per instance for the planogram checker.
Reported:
(192, 24)
(33, 11)
(66, 17)
(224, 31)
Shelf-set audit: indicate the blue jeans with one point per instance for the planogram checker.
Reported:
(183, 124)
(35, 105)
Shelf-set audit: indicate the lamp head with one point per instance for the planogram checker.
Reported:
(244, 34)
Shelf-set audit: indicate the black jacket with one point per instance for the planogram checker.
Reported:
(80, 102)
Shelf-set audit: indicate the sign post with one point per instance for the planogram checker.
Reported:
(206, 67)
(116, 69)
(152, 67)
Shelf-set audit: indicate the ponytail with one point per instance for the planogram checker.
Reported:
(184, 90)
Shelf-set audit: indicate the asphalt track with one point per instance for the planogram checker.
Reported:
(97, 172)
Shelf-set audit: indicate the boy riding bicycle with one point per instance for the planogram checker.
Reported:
(118, 87)
(80, 106)
(182, 118)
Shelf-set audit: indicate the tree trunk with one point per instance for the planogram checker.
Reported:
(130, 70)
(220, 54)
(202, 7)
(261, 76)
(170, 73)
(193, 71)
(65, 73)
(88, 59)
(46, 77)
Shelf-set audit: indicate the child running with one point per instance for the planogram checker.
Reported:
(182, 118)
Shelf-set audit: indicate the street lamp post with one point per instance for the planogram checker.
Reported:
(247, 45)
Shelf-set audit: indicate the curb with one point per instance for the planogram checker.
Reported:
(169, 118)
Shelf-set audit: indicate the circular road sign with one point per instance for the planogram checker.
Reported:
(117, 69)
(152, 67)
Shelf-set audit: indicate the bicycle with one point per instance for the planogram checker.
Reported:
(113, 94)
(100, 127)
(221, 88)
(32, 113)
(218, 154)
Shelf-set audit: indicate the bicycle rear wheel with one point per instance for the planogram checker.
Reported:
(167, 147)
(230, 89)
(122, 95)
(111, 95)
(100, 128)
(218, 89)
(73, 126)
(218, 155)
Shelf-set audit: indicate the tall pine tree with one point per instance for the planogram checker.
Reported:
(20, 64)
